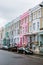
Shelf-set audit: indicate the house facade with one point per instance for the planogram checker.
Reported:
(24, 18)
(36, 27)
(2, 35)
(16, 30)
(27, 29)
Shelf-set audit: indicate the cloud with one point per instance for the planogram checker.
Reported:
(10, 9)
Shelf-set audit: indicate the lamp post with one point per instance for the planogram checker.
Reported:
(41, 5)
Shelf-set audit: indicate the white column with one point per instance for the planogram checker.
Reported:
(39, 39)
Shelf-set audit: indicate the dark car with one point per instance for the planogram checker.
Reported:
(21, 50)
(13, 48)
(28, 51)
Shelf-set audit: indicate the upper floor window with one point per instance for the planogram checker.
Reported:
(34, 15)
(33, 26)
(11, 32)
(21, 22)
(30, 17)
(18, 31)
(30, 28)
(38, 13)
(22, 31)
(38, 25)
(33, 38)
(1, 35)
(27, 19)
(18, 24)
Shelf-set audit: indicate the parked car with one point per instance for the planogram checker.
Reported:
(28, 51)
(5, 47)
(13, 48)
(21, 50)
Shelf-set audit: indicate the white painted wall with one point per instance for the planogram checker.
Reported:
(17, 39)
(36, 29)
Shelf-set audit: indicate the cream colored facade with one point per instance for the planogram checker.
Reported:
(36, 25)
(41, 19)
(30, 20)
(2, 35)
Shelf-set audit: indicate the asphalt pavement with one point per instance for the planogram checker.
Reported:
(11, 58)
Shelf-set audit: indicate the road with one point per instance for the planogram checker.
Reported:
(11, 58)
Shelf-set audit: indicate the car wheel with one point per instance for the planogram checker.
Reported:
(25, 53)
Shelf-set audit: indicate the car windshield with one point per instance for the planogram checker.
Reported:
(27, 49)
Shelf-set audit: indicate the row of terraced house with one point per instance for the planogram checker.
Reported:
(27, 29)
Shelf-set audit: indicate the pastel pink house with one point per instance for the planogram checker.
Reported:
(24, 22)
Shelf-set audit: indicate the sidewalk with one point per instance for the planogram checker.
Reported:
(37, 53)
(40, 54)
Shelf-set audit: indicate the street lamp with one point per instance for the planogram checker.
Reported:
(41, 5)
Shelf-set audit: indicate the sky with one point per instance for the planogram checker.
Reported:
(10, 9)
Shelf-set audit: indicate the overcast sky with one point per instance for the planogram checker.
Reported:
(10, 9)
